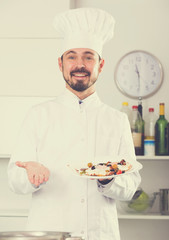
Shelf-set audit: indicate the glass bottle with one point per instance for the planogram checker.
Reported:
(161, 138)
(137, 131)
(149, 133)
(125, 108)
(168, 139)
(140, 110)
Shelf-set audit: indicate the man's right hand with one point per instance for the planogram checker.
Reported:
(37, 173)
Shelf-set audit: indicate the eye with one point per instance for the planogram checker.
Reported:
(89, 58)
(71, 57)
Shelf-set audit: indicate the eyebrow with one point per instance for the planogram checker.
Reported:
(87, 52)
(70, 52)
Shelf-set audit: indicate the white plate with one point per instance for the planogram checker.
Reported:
(135, 167)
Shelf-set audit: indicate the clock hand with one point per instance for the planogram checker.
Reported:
(138, 74)
(137, 71)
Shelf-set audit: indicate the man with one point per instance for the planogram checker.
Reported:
(75, 128)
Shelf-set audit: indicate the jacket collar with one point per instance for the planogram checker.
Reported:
(71, 100)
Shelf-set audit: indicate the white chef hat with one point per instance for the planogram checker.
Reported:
(84, 28)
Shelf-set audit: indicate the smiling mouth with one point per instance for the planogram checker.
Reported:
(80, 75)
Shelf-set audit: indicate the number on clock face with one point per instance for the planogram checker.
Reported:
(138, 73)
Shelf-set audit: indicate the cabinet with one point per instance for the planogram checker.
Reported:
(154, 176)
(150, 225)
(29, 47)
(12, 224)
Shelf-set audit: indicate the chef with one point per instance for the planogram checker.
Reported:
(73, 129)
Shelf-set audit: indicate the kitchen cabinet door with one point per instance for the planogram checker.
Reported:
(29, 19)
(12, 223)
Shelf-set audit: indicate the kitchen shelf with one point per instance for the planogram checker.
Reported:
(14, 212)
(5, 156)
(24, 213)
(141, 158)
(152, 158)
(143, 216)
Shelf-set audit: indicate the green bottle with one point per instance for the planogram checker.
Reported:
(168, 139)
(161, 138)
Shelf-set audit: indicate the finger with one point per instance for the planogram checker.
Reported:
(41, 178)
(31, 178)
(21, 164)
(36, 180)
(46, 175)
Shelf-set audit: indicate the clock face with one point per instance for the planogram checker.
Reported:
(138, 74)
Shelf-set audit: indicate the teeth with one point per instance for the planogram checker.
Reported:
(80, 74)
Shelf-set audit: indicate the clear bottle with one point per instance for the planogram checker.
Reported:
(161, 134)
(125, 108)
(137, 126)
(149, 133)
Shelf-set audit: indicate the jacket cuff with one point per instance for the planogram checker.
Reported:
(106, 181)
(104, 185)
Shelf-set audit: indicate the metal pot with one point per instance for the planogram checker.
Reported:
(164, 201)
(27, 235)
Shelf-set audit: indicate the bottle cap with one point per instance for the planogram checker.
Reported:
(162, 106)
(135, 107)
(151, 109)
(125, 104)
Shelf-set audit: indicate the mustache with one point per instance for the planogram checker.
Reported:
(79, 70)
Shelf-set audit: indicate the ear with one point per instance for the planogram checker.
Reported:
(60, 63)
(101, 65)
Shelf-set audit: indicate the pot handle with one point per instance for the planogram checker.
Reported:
(74, 238)
(155, 194)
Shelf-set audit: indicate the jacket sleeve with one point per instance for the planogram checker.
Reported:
(123, 187)
(25, 150)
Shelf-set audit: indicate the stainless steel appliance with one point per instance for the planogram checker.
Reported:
(164, 201)
(163, 195)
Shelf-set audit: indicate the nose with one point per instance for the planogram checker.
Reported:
(80, 62)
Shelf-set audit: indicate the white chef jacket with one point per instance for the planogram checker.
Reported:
(63, 131)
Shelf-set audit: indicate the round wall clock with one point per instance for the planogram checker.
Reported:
(138, 74)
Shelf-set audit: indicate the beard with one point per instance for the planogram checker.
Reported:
(79, 86)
